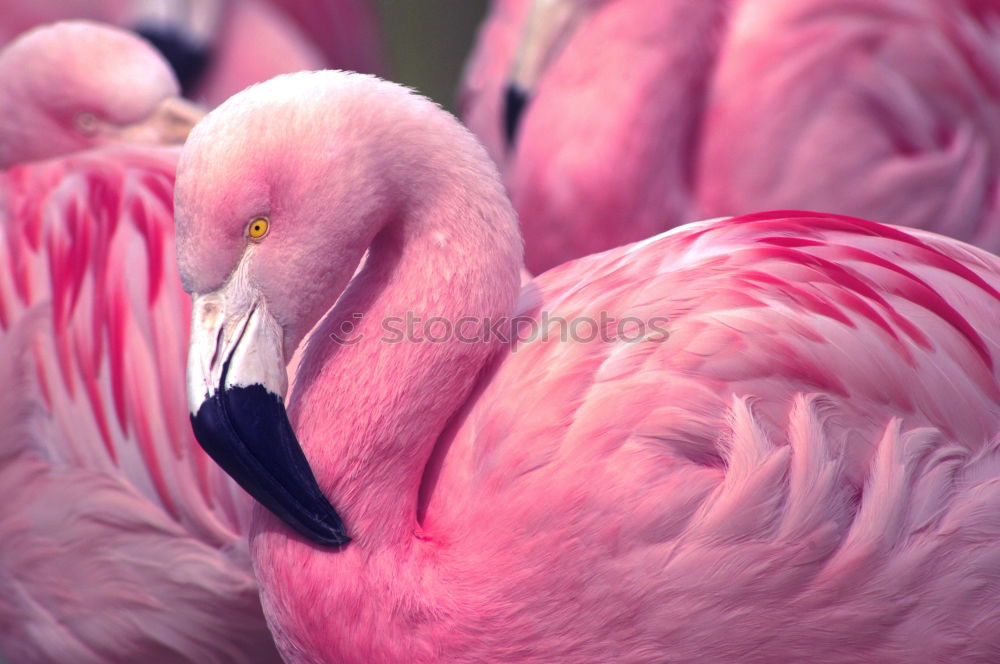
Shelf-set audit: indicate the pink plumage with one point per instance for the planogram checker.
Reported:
(605, 149)
(234, 43)
(75, 85)
(121, 541)
(346, 31)
(252, 42)
(888, 110)
(794, 459)
(629, 118)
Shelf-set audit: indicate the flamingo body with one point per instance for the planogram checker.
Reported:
(782, 478)
(255, 41)
(898, 103)
(646, 115)
(795, 459)
(122, 542)
(346, 31)
(623, 170)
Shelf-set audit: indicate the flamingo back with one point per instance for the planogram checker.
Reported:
(886, 110)
(801, 460)
(121, 536)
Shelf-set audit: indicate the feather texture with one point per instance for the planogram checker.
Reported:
(122, 541)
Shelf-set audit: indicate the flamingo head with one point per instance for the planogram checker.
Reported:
(280, 190)
(74, 85)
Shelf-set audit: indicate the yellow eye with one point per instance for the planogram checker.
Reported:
(257, 228)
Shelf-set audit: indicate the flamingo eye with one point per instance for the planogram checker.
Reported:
(86, 123)
(257, 228)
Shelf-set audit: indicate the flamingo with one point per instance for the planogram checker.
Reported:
(612, 120)
(246, 41)
(621, 171)
(346, 31)
(121, 541)
(76, 85)
(771, 438)
(218, 47)
(897, 102)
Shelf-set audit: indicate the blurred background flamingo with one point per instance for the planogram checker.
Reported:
(593, 115)
(774, 475)
(54, 102)
(631, 116)
(121, 542)
(898, 103)
(218, 47)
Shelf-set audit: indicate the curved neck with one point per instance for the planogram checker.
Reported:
(373, 393)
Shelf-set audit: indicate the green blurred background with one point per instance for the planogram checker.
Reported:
(428, 42)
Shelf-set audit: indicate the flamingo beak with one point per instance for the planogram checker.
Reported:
(169, 124)
(183, 31)
(236, 388)
(549, 26)
(187, 57)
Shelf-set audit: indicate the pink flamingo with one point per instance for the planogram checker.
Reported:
(121, 541)
(771, 439)
(77, 85)
(250, 41)
(627, 118)
(592, 111)
(346, 31)
(218, 47)
(896, 102)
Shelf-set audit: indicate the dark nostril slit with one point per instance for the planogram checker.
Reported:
(218, 348)
(514, 102)
(188, 59)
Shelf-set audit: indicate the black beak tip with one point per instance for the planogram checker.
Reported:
(246, 431)
(514, 102)
(188, 59)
